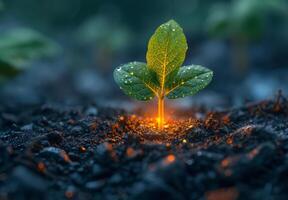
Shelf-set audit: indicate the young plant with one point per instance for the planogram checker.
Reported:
(163, 75)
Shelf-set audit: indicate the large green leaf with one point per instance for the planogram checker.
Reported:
(188, 81)
(166, 50)
(136, 80)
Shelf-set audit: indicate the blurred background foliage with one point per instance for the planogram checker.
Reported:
(72, 46)
(20, 46)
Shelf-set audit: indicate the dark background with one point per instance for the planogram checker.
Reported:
(243, 41)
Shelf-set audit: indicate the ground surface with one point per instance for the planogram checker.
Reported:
(51, 152)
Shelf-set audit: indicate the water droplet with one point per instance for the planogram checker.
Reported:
(173, 29)
(131, 73)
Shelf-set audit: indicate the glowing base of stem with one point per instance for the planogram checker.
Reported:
(161, 117)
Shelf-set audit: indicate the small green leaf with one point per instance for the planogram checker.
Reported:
(166, 50)
(188, 81)
(136, 80)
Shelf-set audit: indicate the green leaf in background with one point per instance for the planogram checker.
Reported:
(104, 32)
(19, 47)
(136, 81)
(8, 70)
(2, 6)
(166, 50)
(188, 81)
(243, 18)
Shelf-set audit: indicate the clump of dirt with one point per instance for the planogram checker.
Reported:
(51, 152)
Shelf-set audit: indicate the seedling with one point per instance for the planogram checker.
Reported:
(163, 75)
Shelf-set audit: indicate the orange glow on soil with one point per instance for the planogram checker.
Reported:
(148, 128)
(170, 158)
(41, 167)
(130, 152)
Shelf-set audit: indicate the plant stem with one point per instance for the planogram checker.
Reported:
(161, 118)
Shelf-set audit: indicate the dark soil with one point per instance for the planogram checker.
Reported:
(51, 152)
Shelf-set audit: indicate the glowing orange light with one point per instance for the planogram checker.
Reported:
(225, 163)
(121, 118)
(170, 158)
(229, 141)
(69, 194)
(130, 152)
(82, 149)
(41, 167)
(133, 116)
(147, 127)
(160, 118)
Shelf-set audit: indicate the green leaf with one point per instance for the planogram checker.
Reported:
(7, 70)
(99, 31)
(136, 80)
(20, 46)
(188, 81)
(244, 18)
(1, 5)
(166, 50)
